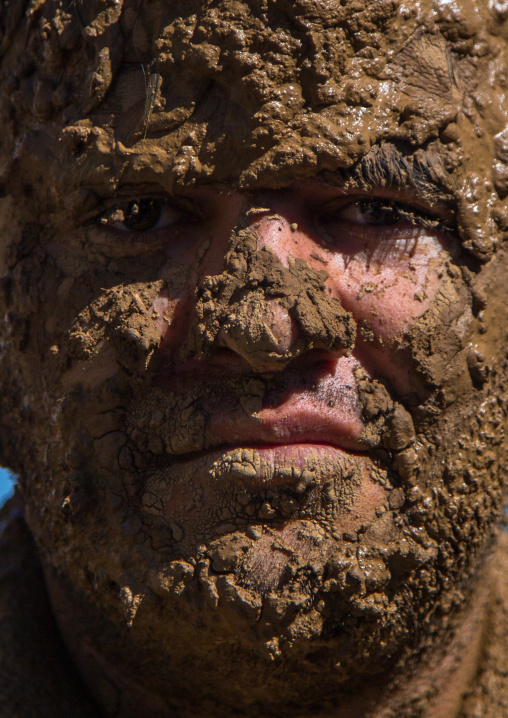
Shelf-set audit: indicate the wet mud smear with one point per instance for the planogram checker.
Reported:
(211, 574)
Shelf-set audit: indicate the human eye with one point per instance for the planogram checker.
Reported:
(375, 213)
(139, 215)
(382, 228)
(146, 214)
(137, 224)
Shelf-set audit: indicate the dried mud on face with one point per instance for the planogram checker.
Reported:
(281, 584)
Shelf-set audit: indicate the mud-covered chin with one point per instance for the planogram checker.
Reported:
(272, 568)
(296, 603)
(306, 606)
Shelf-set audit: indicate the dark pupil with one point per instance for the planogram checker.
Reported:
(142, 214)
(377, 213)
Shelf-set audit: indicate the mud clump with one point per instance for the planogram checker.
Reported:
(130, 369)
(233, 307)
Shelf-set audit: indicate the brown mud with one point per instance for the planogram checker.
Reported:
(218, 581)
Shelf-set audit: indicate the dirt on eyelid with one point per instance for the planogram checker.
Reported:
(308, 596)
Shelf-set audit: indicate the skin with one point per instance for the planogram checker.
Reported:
(253, 386)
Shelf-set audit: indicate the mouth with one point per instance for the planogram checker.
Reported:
(315, 404)
(297, 423)
(293, 457)
(257, 436)
(278, 445)
(293, 448)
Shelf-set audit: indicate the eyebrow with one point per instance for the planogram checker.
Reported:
(386, 166)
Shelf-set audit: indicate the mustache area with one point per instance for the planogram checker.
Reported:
(188, 414)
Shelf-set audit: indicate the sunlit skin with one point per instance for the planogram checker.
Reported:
(387, 255)
(383, 262)
(384, 268)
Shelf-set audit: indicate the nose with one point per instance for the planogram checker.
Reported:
(268, 305)
(261, 331)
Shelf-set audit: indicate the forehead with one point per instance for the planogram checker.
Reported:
(259, 92)
(254, 93)
(261, 100)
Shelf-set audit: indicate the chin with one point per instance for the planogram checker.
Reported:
(280, 612)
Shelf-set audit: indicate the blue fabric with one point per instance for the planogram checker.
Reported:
(7, 481)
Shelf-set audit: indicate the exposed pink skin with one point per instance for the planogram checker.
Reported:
(380, 293)
(163, 309)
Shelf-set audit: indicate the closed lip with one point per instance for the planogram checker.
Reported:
(314, 401)
(253, 467)
(294, 425)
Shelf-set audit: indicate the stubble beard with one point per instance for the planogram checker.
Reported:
(273, 578)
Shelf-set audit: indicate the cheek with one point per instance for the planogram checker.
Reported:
(171, 312)
(386, 299)
(163, 311)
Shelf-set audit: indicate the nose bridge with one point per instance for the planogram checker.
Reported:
(275, 233)
(267, 305)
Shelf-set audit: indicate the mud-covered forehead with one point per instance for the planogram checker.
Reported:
(257, 93)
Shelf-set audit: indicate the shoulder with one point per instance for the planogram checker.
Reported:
(489, 693)
(36, 676)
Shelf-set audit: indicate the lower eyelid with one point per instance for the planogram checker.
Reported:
(120, 243)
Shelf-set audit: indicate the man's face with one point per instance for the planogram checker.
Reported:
(259, 402)
(242, 360)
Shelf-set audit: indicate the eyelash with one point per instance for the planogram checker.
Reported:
(126, 210)
(379, 240)
(334, 210)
